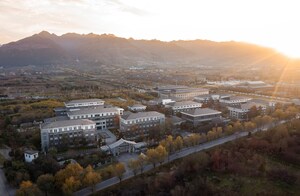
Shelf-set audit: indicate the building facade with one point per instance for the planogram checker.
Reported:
(104, 118)
(84, 103)
(30, 155)
(201, 115)
(137, 108)
(135, 125)
(180, 92)
(235, 100)
(241, 112)
(183, 106)
(67, 133)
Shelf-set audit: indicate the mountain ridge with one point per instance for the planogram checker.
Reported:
(47, 48)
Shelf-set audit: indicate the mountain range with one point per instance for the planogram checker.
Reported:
(45, 48)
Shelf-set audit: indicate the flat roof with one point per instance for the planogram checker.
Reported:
(91, 110)
(183, 103)
(201, 112)
(83, 101)
(31, 152)
(66, 123)
(131, 116)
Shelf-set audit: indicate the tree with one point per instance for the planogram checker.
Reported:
(162, 153)
(91, 178)
(134, 165)
(152, 156)
(70, 185)
(119, 170)
(72, 170)
(178, 143)
(266, 120)
(258, 121)
(237, 126)
(168, 143)
(142, 159)
(46, 183)
(249, 126)
(228, 130)
(28, 189)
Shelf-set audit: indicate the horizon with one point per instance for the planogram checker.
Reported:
(253, 22)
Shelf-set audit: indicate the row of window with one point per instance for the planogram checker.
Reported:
(141, 120)
(93, 115)
(80, 127)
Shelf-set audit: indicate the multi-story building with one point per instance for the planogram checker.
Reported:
(211, 97)
(201, 115)
(183, 106)
(67, 132)
(134, 125)
(103, 117)
(180, 92)
(241, 112)
(235, 100)
(137, 108)
(84, 103)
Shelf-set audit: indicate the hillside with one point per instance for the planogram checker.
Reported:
(45, 48)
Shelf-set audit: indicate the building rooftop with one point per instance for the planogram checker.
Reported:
(66, 123)
(236, 98)
(91, 110)
(83, 101)
(249, 105)
(116, 144)
(56, 118)
(31, 152)
(183, 103)
(131, 116)
(201, 112)
(136, 106)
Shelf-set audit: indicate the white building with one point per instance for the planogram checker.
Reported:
(103, 117)
(183, 106)
(30, 155)
(201, 115)
(241, 112)
(84, 103)
(235, 100)
(135, 125)
(67, 132)
(137, 108)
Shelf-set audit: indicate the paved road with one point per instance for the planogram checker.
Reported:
(178, 155)
(5, 189)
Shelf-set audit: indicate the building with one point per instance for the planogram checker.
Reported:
(67, 133)
(103, 117)
(211, 97)
(201, 115)
(235, 100)
(84, 103)
(135, 125)
(241, 112)
(30, 155)
(183, 106)
(137, 108)
(180, 92)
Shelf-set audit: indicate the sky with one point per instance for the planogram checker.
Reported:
(271, 23)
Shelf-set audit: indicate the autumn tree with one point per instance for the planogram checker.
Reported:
(133, 164)
(249, 126)
(46, 183)
(119, 170)
(237, 126)
(228, 130)
(72, 170)
(142, 160)
(178, 143)
(162, 153)
(91, 177)
(152, 156)
(28, 189)
(70, 185)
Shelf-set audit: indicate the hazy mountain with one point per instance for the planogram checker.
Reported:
(45, 48)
